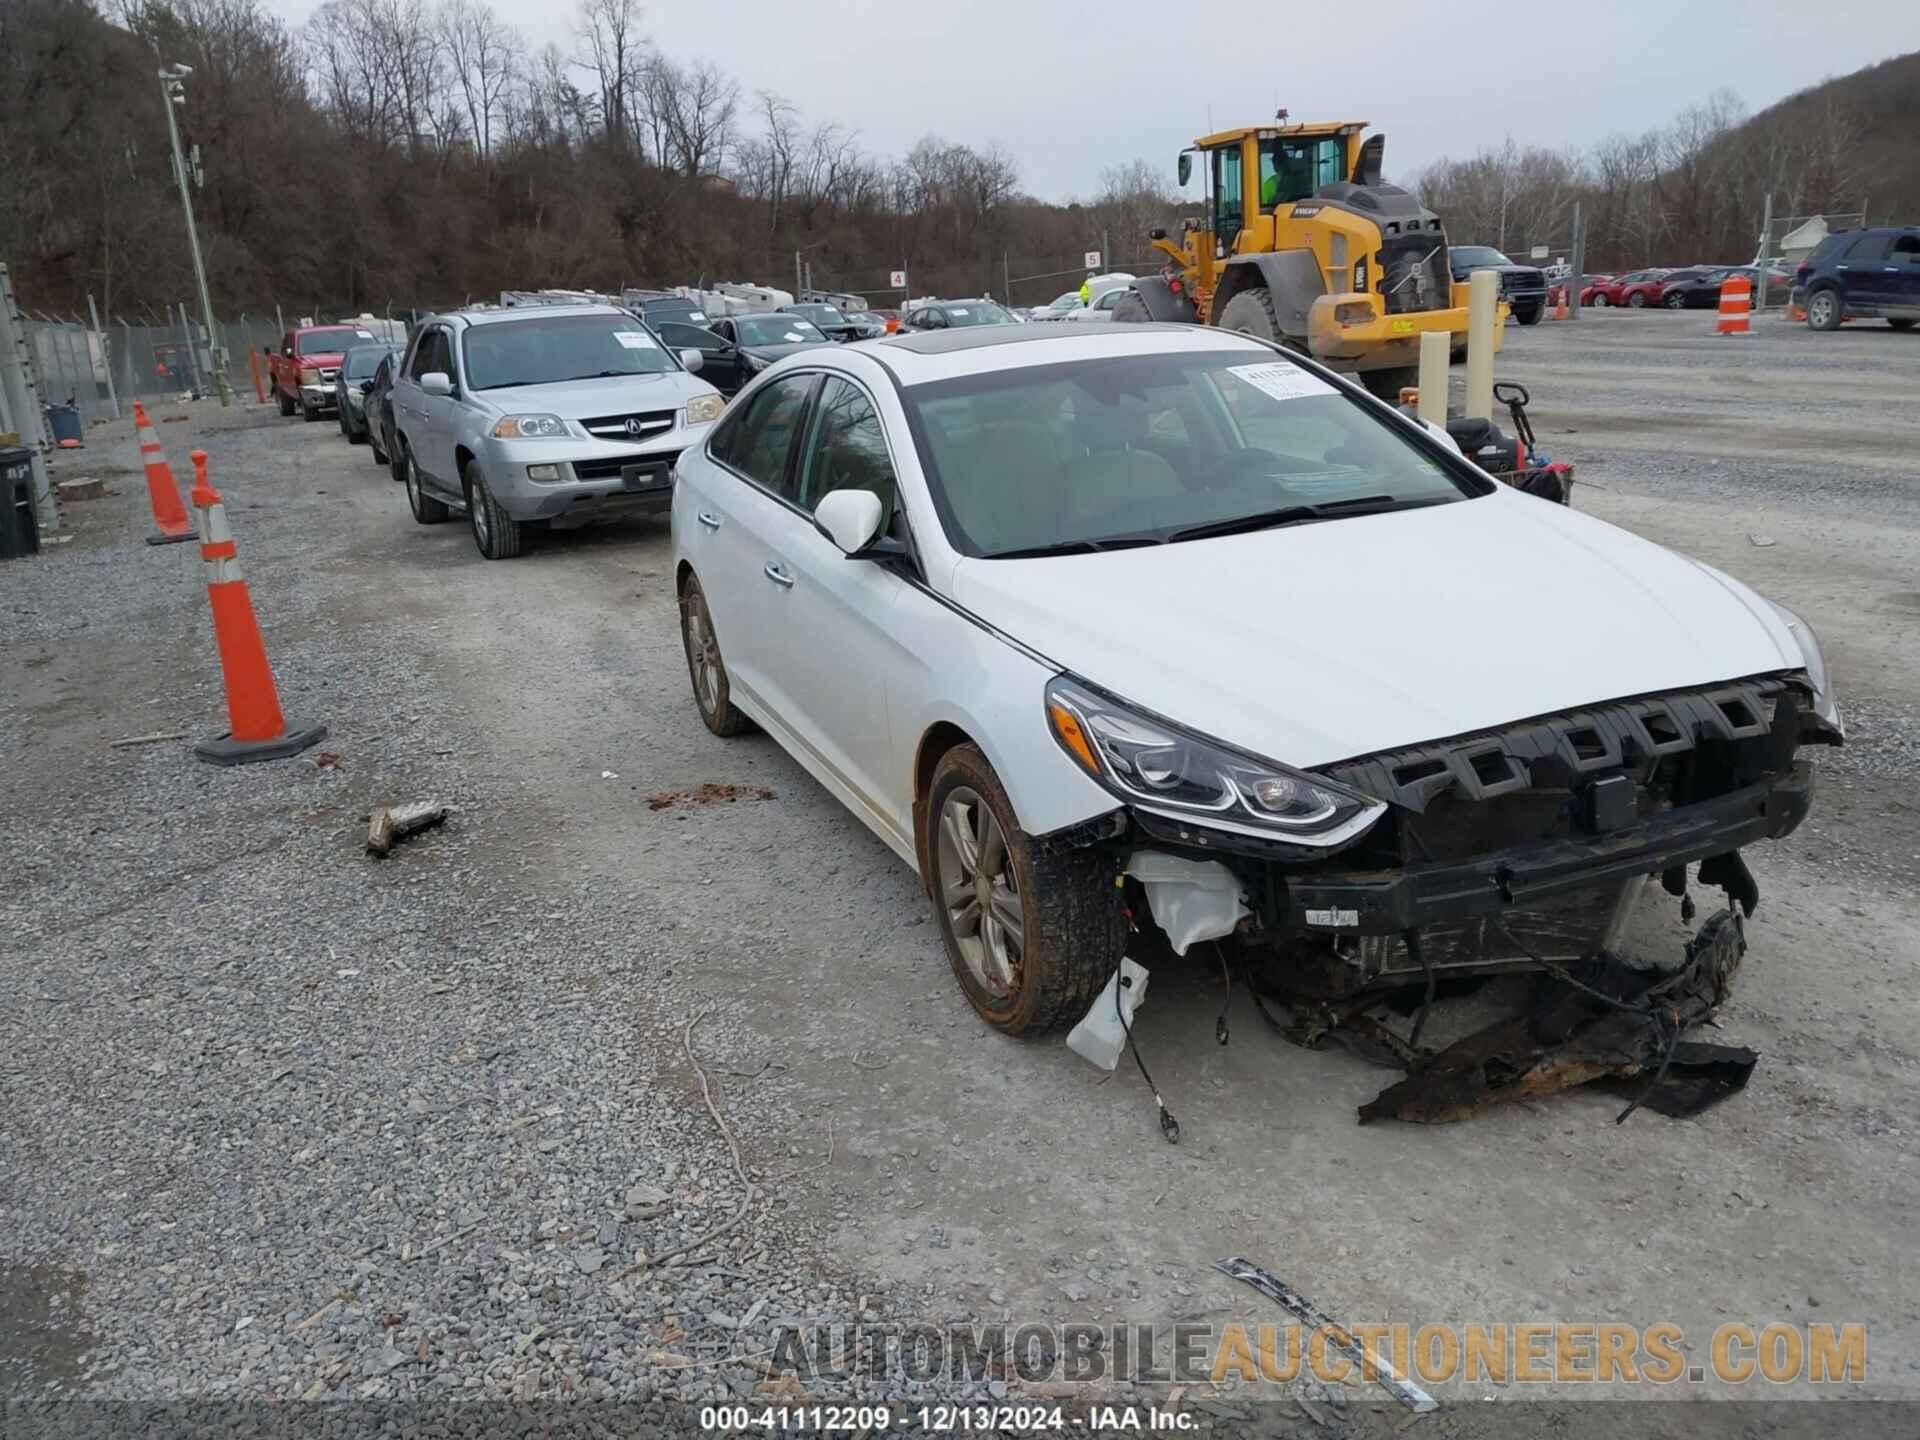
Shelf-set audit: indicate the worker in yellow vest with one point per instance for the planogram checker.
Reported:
(1086, 291)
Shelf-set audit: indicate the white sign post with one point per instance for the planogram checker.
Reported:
(897, 280)
(1092, 259)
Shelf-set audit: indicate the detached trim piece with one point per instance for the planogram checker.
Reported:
(1597, 738)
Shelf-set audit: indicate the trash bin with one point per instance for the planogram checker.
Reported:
(19, 532)
(65, 422)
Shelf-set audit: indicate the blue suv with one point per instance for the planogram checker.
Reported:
(1862, 275)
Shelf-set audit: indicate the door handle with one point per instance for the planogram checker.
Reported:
(707, 518)
(778, 576)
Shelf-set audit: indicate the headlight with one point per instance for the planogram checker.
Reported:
(309, 376)
(703, 408)
(1823, 702)
(1163, 768)
(531, 427)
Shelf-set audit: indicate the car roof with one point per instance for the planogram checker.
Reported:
(498, 315)
(922, 356)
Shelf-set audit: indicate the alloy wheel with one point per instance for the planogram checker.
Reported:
(703, 653)
(980, 891)
(1820, 308)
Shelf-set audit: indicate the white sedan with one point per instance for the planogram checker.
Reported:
(1098, 629)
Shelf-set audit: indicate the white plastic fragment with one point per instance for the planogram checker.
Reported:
(1192, 900)
(1100, 1037)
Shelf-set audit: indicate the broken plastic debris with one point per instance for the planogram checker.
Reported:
(1192, 900)
(1100, 1036)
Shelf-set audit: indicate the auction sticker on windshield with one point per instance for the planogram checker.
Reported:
(634, 339)
(1282, 381)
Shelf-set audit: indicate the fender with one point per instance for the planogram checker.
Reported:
(1292, 276)
(1162, 303)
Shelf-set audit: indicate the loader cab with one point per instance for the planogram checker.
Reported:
(1251, 172)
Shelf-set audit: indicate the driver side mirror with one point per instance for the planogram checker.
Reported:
(692, 360)
(366, 387)
(1186, 166)
(437, 382)
(851, 519)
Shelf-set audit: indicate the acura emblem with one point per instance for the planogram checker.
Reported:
(633, 424)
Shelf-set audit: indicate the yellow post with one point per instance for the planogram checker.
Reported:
(1436, 348)
(1483, 302)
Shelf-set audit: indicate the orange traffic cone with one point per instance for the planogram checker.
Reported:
(1736, 301)
(259, 731)
(169, 515)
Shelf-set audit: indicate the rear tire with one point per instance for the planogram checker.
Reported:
(1637, 300)
(426, 509)
(1389, 382)
(706, 668)
(1031, 933)
(496, 534)
(1901, 324)
(1675, 301)
(1251, 312)
(1824, 311)
(1131, 308)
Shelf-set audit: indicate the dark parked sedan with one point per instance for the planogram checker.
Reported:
(349, 394)
(763, 339)
(832, 322)
(723, 364)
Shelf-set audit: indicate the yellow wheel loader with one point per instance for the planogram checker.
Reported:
(1305, 245)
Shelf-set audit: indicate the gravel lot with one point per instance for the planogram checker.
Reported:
(283, 1121)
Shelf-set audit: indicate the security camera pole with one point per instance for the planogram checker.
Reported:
(173, 92)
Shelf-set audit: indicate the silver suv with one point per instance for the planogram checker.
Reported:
(543, 416)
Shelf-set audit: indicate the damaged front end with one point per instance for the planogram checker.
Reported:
(1521, 848)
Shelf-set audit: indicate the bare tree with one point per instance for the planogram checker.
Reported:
(480, 50)
(617, 55)
(693, 109)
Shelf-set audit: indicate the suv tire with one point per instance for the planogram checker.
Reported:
(1824, 310)
(1901, 324)
(1032, 932)
(307, 412)
(496, 534)
(426, 509)
(706, 669)
(1529, 315)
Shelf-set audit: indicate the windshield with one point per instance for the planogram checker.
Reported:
(1478, 255)
(556, 348)
(1143, 449)
(820, 314)
(977, 312)
(364, 360)
(775, 329)
(328, 342)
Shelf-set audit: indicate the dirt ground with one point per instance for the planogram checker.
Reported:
(985, 1177)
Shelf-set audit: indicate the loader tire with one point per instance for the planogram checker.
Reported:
(1389, 382)
(1251, 312)
(1131, 308)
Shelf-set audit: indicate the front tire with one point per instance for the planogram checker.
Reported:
(1529, 316)
(1131, 309)
(373, 443)
(1251, 312)
(1032, 933)
(1598, 302)
(496, 534)
(1637, 300)
(1824, 310)
(1901, 324)
(706, 668)
(307, 412)
(1675, 301)
(426, 509)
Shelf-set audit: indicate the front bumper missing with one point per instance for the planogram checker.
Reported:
(1379, 903)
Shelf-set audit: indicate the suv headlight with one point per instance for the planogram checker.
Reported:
(1161, 767)
(703, 408)
(531, 427)
(1824, 704)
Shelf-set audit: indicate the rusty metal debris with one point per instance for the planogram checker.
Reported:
(1600, 1020)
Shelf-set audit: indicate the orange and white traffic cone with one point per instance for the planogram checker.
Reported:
(1736, 302)
(170, 523)
(258, 730)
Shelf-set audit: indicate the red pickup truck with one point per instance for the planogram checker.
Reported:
(303, 372)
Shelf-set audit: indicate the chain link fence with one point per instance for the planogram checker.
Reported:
(102, 372)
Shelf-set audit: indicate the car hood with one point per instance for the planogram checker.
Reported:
(574, 399)
(1325, 641)
(770, 353)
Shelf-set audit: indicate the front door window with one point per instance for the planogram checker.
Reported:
(1229, 204)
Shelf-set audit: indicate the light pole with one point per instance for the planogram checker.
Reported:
(173, 92)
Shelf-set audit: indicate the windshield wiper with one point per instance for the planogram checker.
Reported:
(1294, 514)
(1076, 547)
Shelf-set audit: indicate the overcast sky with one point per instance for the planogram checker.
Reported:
(1069, 88)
